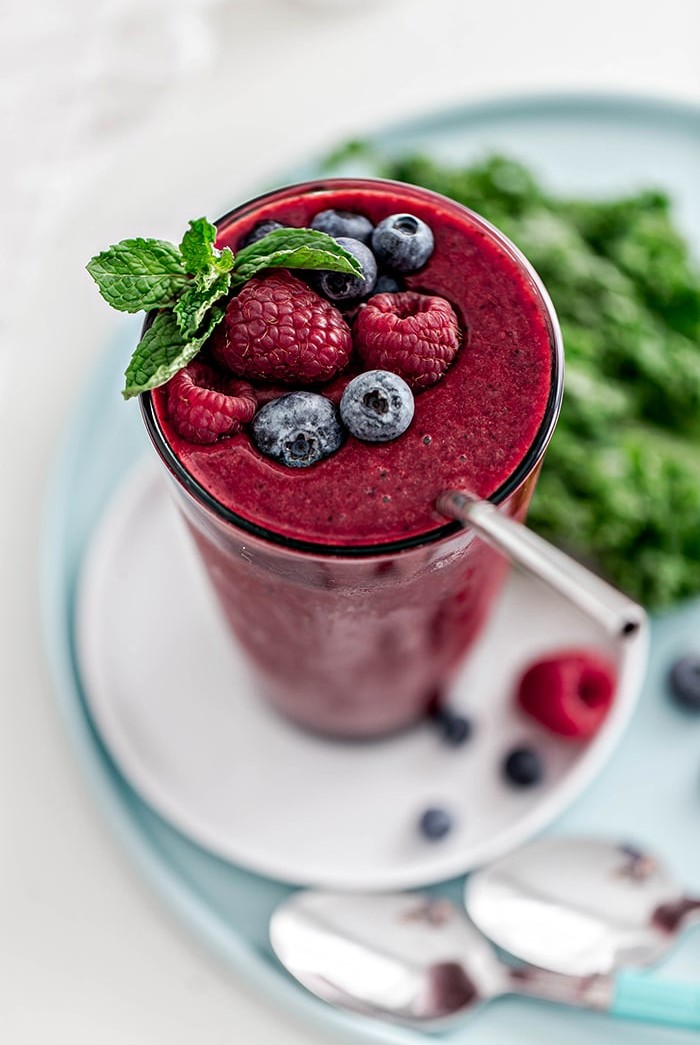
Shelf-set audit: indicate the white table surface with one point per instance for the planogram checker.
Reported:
(127, 117)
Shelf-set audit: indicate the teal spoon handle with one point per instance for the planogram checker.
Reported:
(639, 996)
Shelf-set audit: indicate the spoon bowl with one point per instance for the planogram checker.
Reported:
(401, 957)
(580, 906)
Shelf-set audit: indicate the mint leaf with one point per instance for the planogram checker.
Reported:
(138, 274)
(200, 256)
(162, 351)
(225, 260)
(197, 247)
(293, 249)
(194, 302)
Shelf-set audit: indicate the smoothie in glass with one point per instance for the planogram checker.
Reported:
(354, 599)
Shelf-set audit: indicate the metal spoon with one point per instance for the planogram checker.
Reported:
(617, 614)
(580, 905)
(419, 961)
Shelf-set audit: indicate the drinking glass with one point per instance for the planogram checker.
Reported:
(357, 641)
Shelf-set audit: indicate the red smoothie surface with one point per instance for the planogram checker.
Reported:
(470, 430)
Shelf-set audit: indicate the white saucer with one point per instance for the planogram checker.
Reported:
(174, 703)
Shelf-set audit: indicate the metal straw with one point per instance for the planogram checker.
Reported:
(617, 614)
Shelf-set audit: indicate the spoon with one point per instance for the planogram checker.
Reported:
(617, 614)
(418, 960)
(580, 905)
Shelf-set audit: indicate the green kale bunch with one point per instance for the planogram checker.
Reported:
(621, 483)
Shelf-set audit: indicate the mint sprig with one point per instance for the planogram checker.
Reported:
(187, 284)
(193, 304)
(201, 259)
(293, 249)
(139, 274)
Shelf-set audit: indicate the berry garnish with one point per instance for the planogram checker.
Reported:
(435, 824)
(569, 693)
(684, 681)
(414, 335)
(377, 406)
(278, 329)
(403, 242)
(523, 767)
(298, 430)
(259, 231)
(203, 407)
(186, 285)
(387, 284)
(338, 223)
(455, 729)
(340, 286)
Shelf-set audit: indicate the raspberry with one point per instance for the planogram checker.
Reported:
(278, 329)
(202, 406)
(570, 693)
(413, 335)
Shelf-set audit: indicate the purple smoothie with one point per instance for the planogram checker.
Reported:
(353, 597)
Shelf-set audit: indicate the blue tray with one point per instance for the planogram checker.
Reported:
(650, 789)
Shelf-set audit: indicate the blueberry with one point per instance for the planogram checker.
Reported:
(298, 429)
(633, 852)
(377, 406)
(523, 767)
(455, 729)
(259, 231)
(435, 823)
(684, 679)
(344, 223)
(388, 285)
(341, 286)
(403, 242)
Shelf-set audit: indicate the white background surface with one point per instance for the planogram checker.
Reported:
(180, 107)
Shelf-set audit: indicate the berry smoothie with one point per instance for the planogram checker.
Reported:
(355, 600)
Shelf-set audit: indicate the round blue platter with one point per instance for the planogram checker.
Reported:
(650, 791)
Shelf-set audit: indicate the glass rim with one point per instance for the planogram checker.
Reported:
(520, 473)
